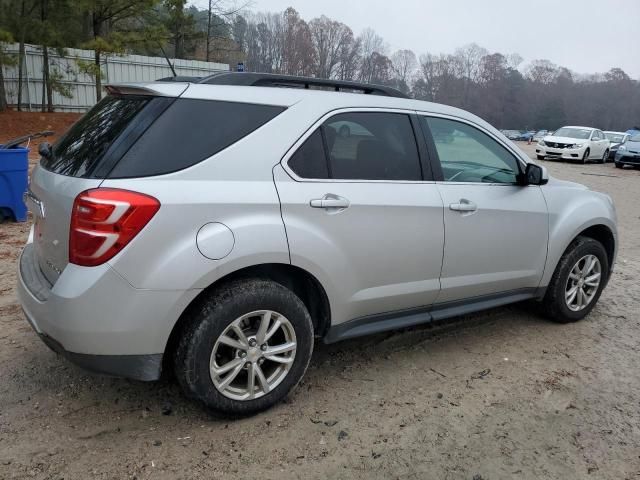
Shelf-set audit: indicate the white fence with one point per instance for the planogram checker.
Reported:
(115, 69)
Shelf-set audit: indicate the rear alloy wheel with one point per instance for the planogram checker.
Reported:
(585, 157)
(245, 347)
(605, 157)
(577, 282)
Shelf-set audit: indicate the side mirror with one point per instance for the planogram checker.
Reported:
(535, 175)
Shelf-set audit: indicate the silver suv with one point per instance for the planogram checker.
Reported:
(215, 227)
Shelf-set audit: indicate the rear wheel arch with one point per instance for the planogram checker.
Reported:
(299, 281)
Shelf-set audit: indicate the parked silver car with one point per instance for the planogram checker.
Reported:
(216, 227)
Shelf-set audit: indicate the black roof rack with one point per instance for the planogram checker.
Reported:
(180, 79)
(274, 80)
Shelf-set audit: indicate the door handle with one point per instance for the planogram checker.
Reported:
(330, 201)
(464, 206)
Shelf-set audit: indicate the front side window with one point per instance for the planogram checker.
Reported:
(469, 155)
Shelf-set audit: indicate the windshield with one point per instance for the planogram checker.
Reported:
(635, 139)
(580, 133)
(614, 137)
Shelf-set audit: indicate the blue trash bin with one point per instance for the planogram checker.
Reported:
(14, 171)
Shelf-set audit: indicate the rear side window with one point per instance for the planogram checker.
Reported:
(310, 161)
(83, 148)
(188, 132)
(372, 146)
(360, 146)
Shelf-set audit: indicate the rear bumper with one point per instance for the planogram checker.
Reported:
(136, 367)
(99, 321)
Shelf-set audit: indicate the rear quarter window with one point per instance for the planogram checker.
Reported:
(188, 132)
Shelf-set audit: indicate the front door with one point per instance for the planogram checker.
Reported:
(360, 216)
(496, 231)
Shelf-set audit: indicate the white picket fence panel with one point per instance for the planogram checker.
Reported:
(116, 69)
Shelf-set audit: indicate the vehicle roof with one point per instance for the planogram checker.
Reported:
(286, 97)
(617, 133)
(578, 126)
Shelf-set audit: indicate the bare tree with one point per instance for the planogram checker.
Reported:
(542, 71)
(405, 65)
(370, 43)
(329, 37)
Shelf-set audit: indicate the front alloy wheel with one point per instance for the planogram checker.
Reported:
(253, 355)
(583, 282)
(577, 282)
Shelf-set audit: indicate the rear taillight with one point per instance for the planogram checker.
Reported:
(104, 221)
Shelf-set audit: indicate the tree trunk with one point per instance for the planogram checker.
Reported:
(47, 87)
(209, 30)
(97, 32)
(98, 76)
(21, 54)
(3, 93)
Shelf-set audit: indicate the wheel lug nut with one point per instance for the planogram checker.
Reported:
(243, 354)
(252, 342)
(260, 361)
(263, 347)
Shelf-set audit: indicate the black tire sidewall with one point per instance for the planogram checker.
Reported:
(557, 306)
(214, 316)
(585, 157)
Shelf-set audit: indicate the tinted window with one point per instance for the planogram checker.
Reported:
(372, 146)
(469, 155)
(310, 161)
(81, 150)
(188, 132)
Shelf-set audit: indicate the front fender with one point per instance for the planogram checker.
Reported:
(571, 211)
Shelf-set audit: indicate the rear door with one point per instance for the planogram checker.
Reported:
(361, 215)
(496, 231)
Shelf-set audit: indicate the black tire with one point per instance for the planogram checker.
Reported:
(585, 157)
(212, 316)
(605, 157)
(619, 165)
(554, 305)
(540, 157)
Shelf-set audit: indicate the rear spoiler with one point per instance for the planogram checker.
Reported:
(156, 89)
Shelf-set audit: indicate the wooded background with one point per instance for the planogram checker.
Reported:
(496, 86)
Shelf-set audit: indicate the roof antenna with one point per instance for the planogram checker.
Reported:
(173, 70)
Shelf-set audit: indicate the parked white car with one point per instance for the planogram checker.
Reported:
(574, 143)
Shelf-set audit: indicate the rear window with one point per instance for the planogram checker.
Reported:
(139, 136)
(188, 132)
(81, 150)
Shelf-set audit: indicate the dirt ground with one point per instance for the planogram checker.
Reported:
(497, 395)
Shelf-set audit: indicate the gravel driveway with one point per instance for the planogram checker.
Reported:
(501, 394)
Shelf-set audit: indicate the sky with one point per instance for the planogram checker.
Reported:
(586, 36)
